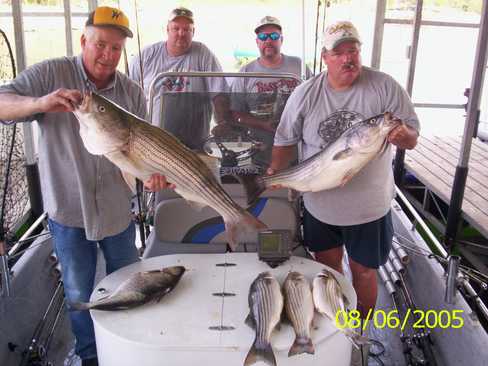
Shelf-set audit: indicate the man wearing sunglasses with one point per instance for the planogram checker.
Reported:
(258, 102)
(187, 109)
(356, 215)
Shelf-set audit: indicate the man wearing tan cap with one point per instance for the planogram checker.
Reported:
(258, 102)
(85, 196)
(356, 215)
(187, 109)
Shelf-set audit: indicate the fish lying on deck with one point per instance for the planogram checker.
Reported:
(140, 288)
(265, 304)
(329, 301)
(140, 150)
(335, 165)
(300, 310)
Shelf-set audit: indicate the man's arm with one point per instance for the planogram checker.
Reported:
(15, 107)
(281, 157)
(249, 120)
(404, 137)
(221, 105)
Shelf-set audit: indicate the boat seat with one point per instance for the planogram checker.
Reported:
(180, 228)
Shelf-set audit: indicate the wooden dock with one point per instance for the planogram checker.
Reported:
(434, 161)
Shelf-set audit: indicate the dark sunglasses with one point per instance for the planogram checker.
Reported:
(274, 36)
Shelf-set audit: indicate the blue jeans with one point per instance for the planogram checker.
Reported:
(78, 259)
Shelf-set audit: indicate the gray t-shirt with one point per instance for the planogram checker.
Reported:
(316, 115)
(187, 107)
(265, 97)
(78, 189)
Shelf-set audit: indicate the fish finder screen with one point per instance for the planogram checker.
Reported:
(270, 243)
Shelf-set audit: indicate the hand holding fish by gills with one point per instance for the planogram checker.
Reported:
(142, 150)
(335, 165)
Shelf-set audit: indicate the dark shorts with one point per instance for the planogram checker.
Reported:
(367, 244)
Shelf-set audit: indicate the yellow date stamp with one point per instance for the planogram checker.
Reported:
(419, 319)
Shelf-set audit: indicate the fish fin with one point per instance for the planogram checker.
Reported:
(356, 339)
(235, 229)
(197, 206)
(347, 177)
(262, 353)
(212, 163)
(301, 345)
(253, 185)
(250, 321)
(130, 180)
(343, 154)
(193, 201)
(79, 306)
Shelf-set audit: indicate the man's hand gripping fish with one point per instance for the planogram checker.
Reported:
(140, 150)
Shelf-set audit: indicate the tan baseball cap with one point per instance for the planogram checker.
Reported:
(181, 12)
(267, 20)
(105, 16)
(339, 32)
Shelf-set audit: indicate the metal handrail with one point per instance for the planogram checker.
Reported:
(209, 74)
(462, 278)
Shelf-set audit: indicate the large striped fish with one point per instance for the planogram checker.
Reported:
(140, 288)
(300, 310)
(265, 305)
(335, 165)
(140, 150)
(329, 301)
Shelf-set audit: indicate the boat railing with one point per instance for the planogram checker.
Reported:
(460, 278)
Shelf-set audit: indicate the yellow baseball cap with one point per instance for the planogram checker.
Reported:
(105, 16)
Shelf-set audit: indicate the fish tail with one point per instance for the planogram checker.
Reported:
(253, 185)
(260, 352)
(244, 223)
(356, 339)
(301, 345)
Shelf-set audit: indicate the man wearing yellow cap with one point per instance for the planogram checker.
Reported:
(85, 196)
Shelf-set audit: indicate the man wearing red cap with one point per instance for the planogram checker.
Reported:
(356, 216)
(85, 196)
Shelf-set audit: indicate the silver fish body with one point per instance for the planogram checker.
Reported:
(300, 311)
(329, 301)
(140, 288)
(140, 150)
(265, 304)
(336, 164)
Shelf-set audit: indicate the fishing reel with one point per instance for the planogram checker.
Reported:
(234, 145)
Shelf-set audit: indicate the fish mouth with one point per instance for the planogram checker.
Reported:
(84, 105)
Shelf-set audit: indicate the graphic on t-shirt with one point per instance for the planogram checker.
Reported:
(281, 85)
(335, 124)
(175, 84)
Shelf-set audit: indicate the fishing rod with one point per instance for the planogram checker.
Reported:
(327, 4)
(11, 72)
(144, 228)
(35, 353)
(419, 339)
(316, 36)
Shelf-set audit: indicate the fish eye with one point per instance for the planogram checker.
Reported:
(101, 108)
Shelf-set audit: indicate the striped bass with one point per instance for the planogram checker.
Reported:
(140, 150)
(265, 304)
(329, 301)
(140, 288)
(300, 310)
(335, 165)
